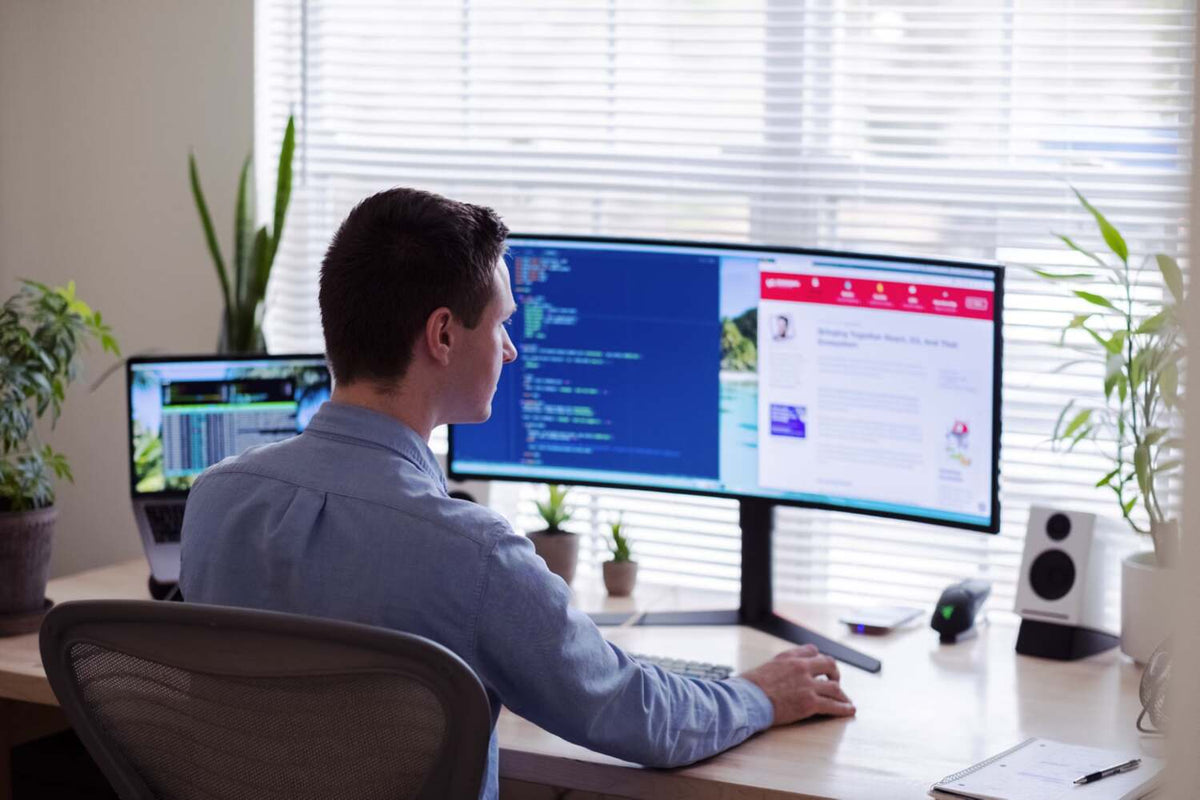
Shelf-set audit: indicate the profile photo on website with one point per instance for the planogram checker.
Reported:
(782, 327)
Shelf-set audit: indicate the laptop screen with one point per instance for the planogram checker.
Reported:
(188, 413)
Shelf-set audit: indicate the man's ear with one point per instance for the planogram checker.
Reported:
(439, 335)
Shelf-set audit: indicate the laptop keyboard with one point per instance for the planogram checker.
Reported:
(166, 521)
(688, 669)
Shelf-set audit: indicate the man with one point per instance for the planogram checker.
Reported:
(781, 327)
(351, 519)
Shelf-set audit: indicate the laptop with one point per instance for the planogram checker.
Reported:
(186, 413)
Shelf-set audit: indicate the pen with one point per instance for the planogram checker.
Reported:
(1104, 773)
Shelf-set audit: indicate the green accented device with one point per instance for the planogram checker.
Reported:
(955, 612)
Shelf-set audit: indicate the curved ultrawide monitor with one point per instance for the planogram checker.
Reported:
(854, 382)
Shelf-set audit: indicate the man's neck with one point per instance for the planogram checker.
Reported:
(395, 402)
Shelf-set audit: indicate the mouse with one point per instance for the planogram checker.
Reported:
(954, 614)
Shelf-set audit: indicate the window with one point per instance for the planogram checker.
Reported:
(925, 126)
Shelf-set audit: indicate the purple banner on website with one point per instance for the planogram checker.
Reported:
(787, 420)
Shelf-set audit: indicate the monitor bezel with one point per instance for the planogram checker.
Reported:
(169, 494)
(994, 269)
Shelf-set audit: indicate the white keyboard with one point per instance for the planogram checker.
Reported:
(688, 669)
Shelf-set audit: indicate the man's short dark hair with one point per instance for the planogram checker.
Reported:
(399, 256)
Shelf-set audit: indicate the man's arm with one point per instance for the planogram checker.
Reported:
(549, 664)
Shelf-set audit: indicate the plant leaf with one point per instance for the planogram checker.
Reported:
(1064, 276)
(1095, 299)
(1061, 416)
(1141, 464)
(1078, 421)
(1168, 380)
(1116, 344)
(1110, 383)
(1167, 466)
(243, 229)
(1071, 244)
(260, 259)
(1111, 237)
(1137, 369)
(1066, 365)
(1171, 275)
(1153, 435)
(209, 235)
(1104, 481)
(1153, 324)
(283, 186)
(1079, 435)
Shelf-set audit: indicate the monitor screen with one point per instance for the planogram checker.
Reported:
(835, 380)
(188, 413)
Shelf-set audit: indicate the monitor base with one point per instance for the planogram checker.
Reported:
(772, 624)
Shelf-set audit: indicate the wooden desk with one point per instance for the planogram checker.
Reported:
(931, 711)
(28, 709)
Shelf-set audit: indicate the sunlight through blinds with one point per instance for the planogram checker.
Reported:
(935, 127)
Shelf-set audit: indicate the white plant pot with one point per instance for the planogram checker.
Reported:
(1145, 605)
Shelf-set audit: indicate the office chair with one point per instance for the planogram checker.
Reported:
(178, 701)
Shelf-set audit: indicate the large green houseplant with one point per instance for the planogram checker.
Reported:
(1132, 329)
(253, 252)
(42, 330)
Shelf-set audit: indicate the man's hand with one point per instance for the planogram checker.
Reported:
(800, 683)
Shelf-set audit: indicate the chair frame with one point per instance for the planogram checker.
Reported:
(249, 643)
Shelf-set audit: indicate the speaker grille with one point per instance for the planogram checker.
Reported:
(1052, 575)
(1058, 527)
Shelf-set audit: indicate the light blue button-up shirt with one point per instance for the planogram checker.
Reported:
(351, 520)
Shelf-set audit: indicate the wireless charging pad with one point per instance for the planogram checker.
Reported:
(880, 620)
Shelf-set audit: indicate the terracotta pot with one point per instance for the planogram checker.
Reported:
(1146, 596)
(25, 538)
(560, 551)
(619, 577)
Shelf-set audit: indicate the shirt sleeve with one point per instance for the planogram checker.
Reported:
(548, 663)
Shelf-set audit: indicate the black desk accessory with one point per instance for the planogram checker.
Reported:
(1062, 642)
(954, 615)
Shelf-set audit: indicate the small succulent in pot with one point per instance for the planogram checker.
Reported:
(558, 547)
(620, 574)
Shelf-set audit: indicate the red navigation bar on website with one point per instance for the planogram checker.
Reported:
(918, 298)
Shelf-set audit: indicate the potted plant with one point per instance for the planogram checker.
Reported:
(41, 331)
(253, 253)
(1136, 336)
(557, 547)
(620, 574)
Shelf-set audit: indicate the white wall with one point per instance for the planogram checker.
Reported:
(99, 103)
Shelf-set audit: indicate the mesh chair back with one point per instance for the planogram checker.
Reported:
(187, 702)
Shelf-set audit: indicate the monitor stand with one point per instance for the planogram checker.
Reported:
(757, 518)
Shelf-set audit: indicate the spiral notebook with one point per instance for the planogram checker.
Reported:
(1041, 769)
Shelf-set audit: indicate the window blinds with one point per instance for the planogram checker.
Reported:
(936, 127)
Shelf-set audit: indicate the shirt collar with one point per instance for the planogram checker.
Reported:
(356, 422)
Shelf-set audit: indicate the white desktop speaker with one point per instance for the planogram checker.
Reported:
(1061, 586)
(475, 491)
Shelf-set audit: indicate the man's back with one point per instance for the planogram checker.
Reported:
(331, 526)
(351, 520)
